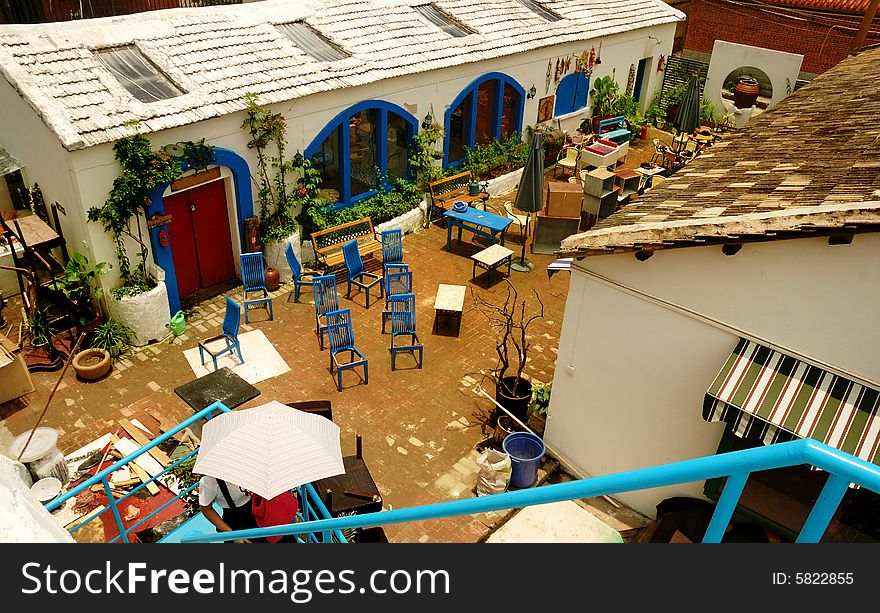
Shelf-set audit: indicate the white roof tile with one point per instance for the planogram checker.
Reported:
(216, 54)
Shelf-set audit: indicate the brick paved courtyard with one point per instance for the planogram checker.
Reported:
(420, 427)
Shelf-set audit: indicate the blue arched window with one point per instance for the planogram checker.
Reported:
(571, 93)
(370, 134)
(490, 108)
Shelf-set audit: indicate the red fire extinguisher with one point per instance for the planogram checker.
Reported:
(163, 237)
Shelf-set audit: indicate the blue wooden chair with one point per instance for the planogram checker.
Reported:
(254, 280)
(398, 282)
(403, 327)
(326, 300)
(230, 334)
(392, 248)
(300, 279)
(356, 274)
(341, 336)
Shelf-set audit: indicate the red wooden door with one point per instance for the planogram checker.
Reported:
(201, 247)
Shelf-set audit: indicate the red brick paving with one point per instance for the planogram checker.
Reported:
(413, 421)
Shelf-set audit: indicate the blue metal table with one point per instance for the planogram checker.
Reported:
(476, 221)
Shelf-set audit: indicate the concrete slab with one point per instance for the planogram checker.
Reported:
(557, 522)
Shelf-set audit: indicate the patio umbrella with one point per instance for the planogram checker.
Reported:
(688, 118)
(269, 449)
(530, 195)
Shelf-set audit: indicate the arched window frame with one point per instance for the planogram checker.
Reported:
(568, 83)
(471, 90)
(342, 119)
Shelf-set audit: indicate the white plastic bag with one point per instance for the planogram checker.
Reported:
(495, 469)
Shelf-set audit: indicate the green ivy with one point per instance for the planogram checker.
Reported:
(142, 170)
(423, 156)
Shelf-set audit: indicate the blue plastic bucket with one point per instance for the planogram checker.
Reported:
(525, 450)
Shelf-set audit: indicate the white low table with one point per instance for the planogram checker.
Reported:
(490, 259)
(449, 303)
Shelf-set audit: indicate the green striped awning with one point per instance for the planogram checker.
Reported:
(776, 397)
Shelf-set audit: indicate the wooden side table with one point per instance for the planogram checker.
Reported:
(449, 303)
(490, 259)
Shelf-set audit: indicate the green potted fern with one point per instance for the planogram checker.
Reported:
(112, 336)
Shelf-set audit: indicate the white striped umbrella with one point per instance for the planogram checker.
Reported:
(269, 449)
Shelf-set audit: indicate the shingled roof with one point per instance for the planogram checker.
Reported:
(818, 147)
(217, 54)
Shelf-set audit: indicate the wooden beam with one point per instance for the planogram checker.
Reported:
(144, 477)
(141, 439)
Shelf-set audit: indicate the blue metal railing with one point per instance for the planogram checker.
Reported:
(312, 509)
(843, 469)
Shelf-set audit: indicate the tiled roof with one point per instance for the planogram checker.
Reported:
(217, 54)
(820, 146)
(835, 6)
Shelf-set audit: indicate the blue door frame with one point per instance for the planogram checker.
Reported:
(244, 208)
(471, 120)
(339, 122)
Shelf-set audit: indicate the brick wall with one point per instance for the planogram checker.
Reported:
(823, 40)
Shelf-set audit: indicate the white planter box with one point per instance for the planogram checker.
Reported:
(505, 183)
(273, 253)
(146, 314)
(408, 222)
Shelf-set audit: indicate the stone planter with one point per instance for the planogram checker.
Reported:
(91, 364)
(273, 253)
(147, 314)
(505, 183)
(408, 222)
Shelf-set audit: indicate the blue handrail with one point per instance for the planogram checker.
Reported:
(737, 465)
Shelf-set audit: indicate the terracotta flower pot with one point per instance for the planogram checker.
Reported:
(273, 279)
(91, 364)
(745, 93)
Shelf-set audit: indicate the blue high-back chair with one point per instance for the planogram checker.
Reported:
(403, 327)
(326, 300)
(392, 248)
(231, 321)
(299, 279)
(341, 336)
(397, 282)
(254, 281)
(356, 275)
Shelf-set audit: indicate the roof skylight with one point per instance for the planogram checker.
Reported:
(541, 10)
(137, 74)
(313, 42)
(443, 20)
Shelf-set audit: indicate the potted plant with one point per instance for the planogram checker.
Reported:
(539, 406)
(603, 94)
(91, 364)
(112, 336)
(141, 299)
(80, 286)
(41, 333)
(510, 321)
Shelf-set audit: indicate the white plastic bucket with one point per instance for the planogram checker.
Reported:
(42, 458)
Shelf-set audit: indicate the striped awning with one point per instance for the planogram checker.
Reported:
(761, 392)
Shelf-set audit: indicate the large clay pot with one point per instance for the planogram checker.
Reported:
(745, 93)
(91, 364)
(517, 404)
(273, 279)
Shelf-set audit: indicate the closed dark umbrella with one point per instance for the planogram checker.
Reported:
(530, 195)
(688, 118)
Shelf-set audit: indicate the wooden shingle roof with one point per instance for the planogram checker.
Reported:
(817, 148)
(217, 54)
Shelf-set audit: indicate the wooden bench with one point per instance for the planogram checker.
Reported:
(447, 190)
(328, 242)
(614, 129)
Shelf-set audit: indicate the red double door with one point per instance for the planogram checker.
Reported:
(201, 246)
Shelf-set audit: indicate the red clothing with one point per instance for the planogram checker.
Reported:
(275, 512)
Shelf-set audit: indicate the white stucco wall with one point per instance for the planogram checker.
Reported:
(641, 369)
(23, 519)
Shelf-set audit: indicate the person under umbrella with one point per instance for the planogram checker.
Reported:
(530, 194)
(233, 500)
(688, 118)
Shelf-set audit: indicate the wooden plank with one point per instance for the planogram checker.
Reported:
(144, 477)
(165, 424)
(138, 435)
(148, 463)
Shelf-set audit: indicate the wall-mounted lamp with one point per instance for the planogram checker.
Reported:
(297, 159)
(427, 121)
(599, 54)
(532, 93)
(731, 248)
(643, 255)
